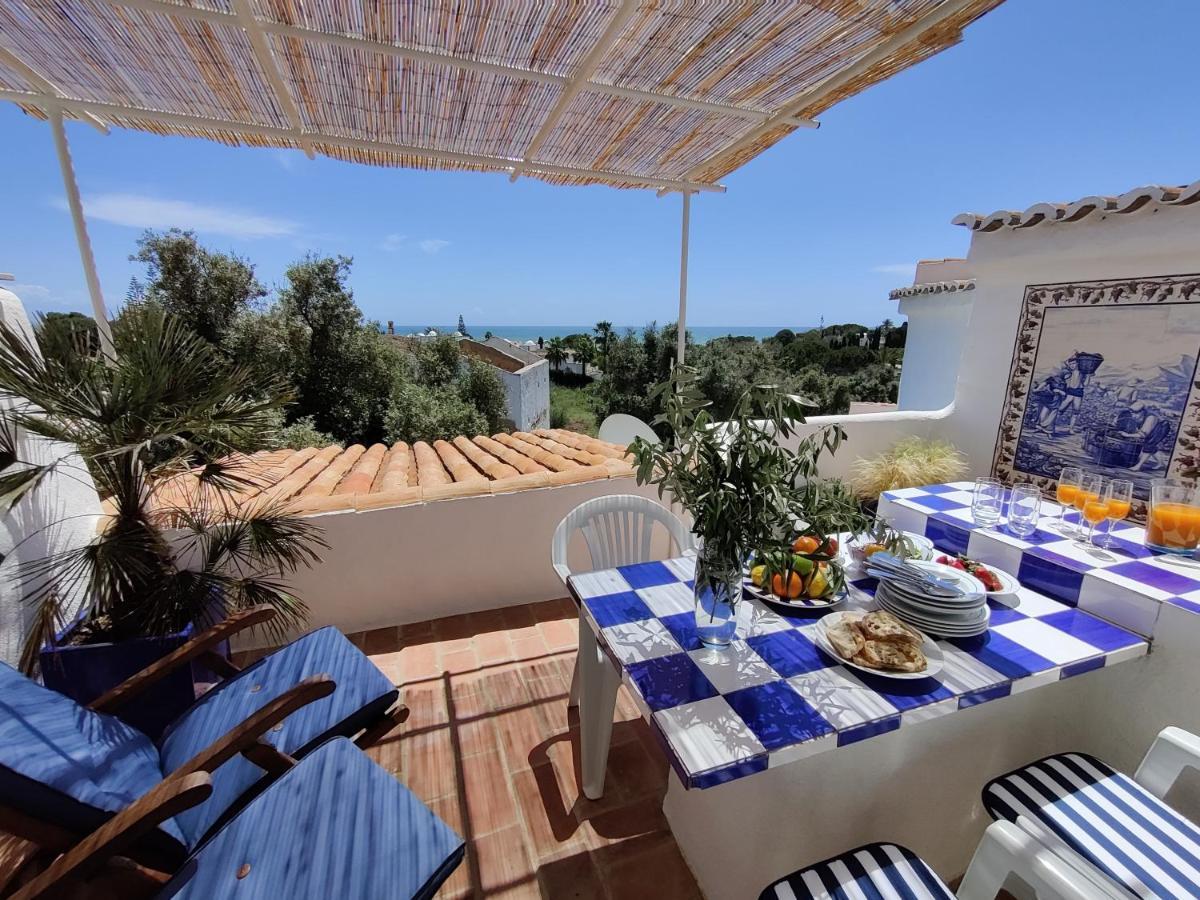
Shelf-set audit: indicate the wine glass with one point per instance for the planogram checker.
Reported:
(1092, 501)
(1120, 501)
(1065, 494)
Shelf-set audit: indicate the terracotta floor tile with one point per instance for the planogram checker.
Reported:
(490, 804)
(427, 705)
(505, 868)
(428, 764)
(518, 616)
(633, 771)
(381, 640)
(453, 627)
(520, 730)
(572, 877)
(419, 662)
(463, 660)
(560, 634)
(545, 612)
(623, 868)
(620, 823)
(551, 828)
(487, 620)
(528, 643)
(493, 647)
(416, 632)
(506, 688)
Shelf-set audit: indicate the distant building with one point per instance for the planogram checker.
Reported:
(525, 375)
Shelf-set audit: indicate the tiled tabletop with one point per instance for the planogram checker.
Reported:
(1125, 584)
(773, 697)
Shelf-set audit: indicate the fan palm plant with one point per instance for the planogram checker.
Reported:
(169, 406)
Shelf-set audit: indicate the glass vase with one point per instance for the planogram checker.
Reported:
(718, 592)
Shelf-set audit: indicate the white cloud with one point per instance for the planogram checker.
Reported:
(432, 245)
(38, 297)
(141, 211)
(26, 291)
(908, 268)
(392, 242)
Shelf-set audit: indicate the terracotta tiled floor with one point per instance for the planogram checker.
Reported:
(490, 746)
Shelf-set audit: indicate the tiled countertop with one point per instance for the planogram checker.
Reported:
(773, 697)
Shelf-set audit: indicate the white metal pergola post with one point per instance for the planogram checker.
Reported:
(681, 325)
(99, 313)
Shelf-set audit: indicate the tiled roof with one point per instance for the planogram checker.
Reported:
(331, 479)
(1130, 201)
(934, 287)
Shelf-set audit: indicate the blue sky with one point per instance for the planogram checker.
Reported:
(1043, 100)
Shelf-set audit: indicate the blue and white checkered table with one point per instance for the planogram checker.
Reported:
(773, 697)
(1125, 585)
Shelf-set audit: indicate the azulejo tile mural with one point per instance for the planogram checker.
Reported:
(1104, 377)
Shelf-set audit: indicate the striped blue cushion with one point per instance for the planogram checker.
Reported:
(1106, 817)
(873, 872)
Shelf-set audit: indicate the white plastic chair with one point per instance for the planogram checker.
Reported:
(618, 531)
(620, 428)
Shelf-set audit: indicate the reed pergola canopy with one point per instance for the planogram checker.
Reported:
(666, 95)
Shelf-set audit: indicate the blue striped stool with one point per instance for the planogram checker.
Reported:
(876, 870)
(1106, 817)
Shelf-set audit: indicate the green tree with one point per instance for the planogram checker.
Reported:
(419, 413)
(604, 333)
(61, 335)
(481, 387)
(203, 289)
(584, 353)
(556, 352)
(438, 362)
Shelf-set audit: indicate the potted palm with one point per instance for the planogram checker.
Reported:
(749, 483)
(167, 409)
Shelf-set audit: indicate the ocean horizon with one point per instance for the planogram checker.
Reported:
(701, 334)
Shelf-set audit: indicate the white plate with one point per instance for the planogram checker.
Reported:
(1008, 584)
(941, 629)
(924, 545)
(934, 658)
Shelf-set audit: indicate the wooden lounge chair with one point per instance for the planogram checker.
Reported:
(333, 825)
(65, 768)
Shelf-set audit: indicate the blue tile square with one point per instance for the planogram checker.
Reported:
(1002, 614)
(728, 773)
(1155, 576)
(1129, 549)
(683, 628)
(1087, 628)
(670, 681)
(975, 698)
(777, 714)
(1190, 605)
(941, 504)
(947, 535)
(940, 489)
(618, 609)
(1078, 668)
(868, 730)
(905, 695)
(1043, 571)
(1004, 655)
(790, 653)
(1040, 536)
(650, 574)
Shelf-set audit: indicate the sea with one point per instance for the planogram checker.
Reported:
(701, 334)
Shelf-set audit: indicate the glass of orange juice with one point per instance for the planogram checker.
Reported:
(1065, 493)
(1173, 525)
(1120, 501)
(1092, 503)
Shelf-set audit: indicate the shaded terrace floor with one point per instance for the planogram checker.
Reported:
(491, 747)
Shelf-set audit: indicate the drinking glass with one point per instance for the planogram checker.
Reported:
(1065, 493)
(1024, 509)
(1120, 501)
(1174, 521)
(988, 501)
(1094, 508)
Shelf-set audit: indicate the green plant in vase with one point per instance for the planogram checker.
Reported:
(749, 483)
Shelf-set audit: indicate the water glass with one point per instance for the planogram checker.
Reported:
(1024, 509)
(987, 503)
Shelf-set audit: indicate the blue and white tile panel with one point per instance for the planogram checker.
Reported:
(1126, 585)
(774, 697)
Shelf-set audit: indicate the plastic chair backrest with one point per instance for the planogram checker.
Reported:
(617, 530)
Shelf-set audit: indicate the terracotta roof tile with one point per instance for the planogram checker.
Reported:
(358, 478)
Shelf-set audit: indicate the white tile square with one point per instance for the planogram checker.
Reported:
(637, 641)
(1105, 598)
(598, 584)
(963, 673)
(682, 568)
(1046, 641)
(963, 497)
(1128, 585)
(1031, 603)
(967, 486)
(707, 734)
(841, 699)
(755, 618)
(928, 712)
(961, 515)
(668, 599)
(993, 549)
(733, 668)
(904, 493)
(1091, 558)
(903, 516)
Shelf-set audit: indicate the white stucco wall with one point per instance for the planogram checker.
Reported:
(59, 515)
(528, 391)
(937, 327)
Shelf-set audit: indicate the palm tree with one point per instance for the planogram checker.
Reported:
(170, 406)
(604, 331)
(556, 352)
(585, 352)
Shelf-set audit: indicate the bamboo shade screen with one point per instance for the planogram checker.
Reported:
(468, 85)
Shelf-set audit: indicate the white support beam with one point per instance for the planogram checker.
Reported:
(270, 66)
(86, 257)
(448, 59)
(681, 324)
(284, 134)
(814, 94)
(578, 81)
(41, 82)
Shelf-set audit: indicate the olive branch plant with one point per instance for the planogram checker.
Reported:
(167, 404)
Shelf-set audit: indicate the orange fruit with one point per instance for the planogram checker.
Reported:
(806, 543)
(795, 586)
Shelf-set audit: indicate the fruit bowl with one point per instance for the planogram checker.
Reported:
(809, 575)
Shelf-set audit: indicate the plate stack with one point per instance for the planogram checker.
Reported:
(934, 598)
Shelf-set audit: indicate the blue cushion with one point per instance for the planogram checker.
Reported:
(361, 695)
(65, 764)
(337, 825)
(876, 870)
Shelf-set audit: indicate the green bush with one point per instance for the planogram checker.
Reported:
(420, 413)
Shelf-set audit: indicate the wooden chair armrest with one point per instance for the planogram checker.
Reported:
(193, 649)
(245, 736)
(168, 798)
